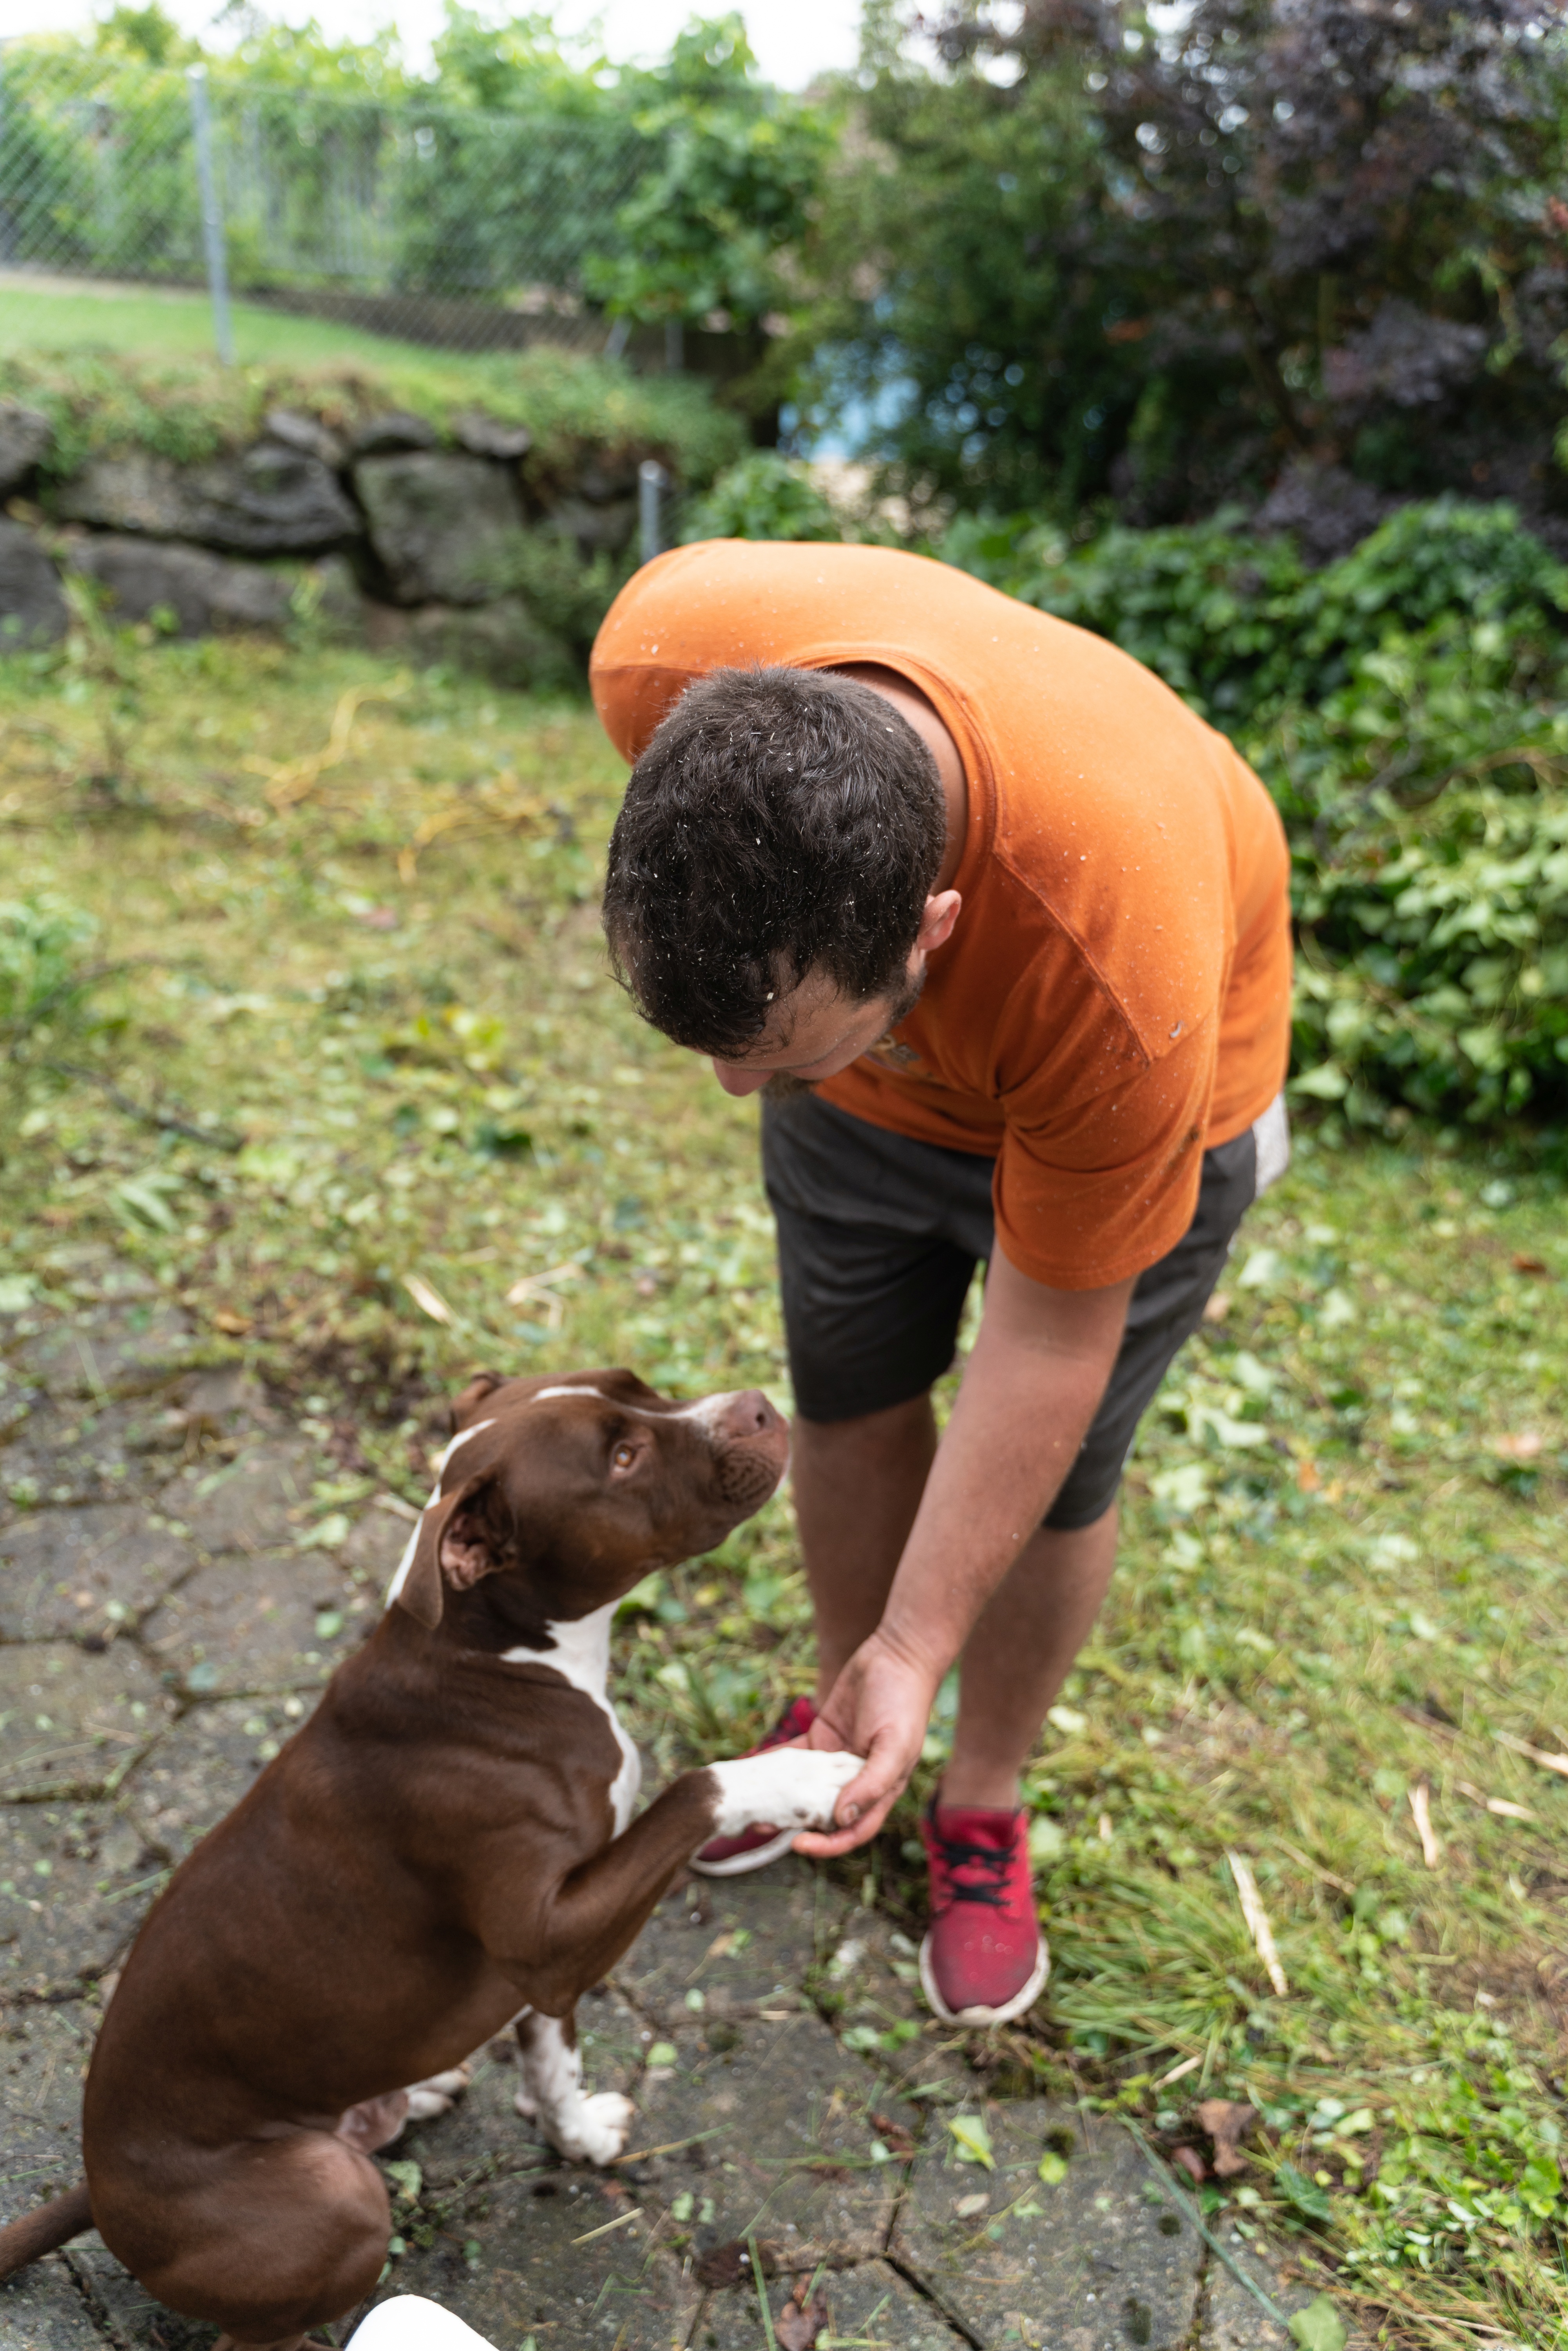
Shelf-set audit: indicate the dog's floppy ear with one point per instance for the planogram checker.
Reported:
(423, 1589)
(464, 1408)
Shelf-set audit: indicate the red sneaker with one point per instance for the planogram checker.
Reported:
(984, 1960)
(755, 1848)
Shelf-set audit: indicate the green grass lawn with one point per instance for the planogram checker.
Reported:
(176, 324)
(1342, 1601)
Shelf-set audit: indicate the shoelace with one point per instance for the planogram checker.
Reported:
(955, 1855)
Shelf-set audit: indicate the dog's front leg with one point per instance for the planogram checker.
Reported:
(554, 1949)
(584, 2129)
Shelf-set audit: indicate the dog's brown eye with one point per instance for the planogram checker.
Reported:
(623, 1457)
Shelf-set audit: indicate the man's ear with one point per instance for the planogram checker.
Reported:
(937, 920)
(450, 1547)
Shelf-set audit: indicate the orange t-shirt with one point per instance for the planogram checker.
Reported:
(1116, 991)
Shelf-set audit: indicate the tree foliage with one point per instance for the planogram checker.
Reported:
(1104, 252)
(739, 164)
(525, 167)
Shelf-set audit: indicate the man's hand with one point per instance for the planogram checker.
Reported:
(878, 1708)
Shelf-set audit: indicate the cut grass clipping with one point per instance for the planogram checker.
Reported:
(1301, 1813)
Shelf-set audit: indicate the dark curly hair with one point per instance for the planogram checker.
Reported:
(781, 821)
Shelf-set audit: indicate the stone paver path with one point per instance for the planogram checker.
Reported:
(165, 1621)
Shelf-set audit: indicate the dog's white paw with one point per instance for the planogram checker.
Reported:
(788, 1788)
(449, 2084)
(597, 2129)
(434, 2094)
(528, 2107)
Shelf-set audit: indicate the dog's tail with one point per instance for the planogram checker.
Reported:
(39, 2233)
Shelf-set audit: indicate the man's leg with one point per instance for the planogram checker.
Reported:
(1020, 1654)
(984, 1961)
(857, 1486)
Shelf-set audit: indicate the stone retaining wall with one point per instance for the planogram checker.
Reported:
(442, 546)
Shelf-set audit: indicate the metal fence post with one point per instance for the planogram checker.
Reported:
(212, 215)
(651, 482)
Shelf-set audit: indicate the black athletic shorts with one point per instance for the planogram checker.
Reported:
(878, 1241)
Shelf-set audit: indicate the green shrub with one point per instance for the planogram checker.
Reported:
(1237, 626)
(568, 592)
(766, 496)
(1434, 965)
(1408, 710)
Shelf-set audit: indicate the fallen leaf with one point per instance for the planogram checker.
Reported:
(1524, 1263)
(1524, 1446)
(1052, 2168)
(801, 2321)
(1228, 2122)
(973, 2140)
(1308, 1478)
(1305, 2194)
(1263, 1270)
(1187, 2159)
(967, 2206)
(232, 1325)
(1319, 2327)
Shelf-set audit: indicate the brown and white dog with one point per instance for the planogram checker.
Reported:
(446, 1848)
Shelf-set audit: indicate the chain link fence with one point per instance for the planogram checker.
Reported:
(441, 225)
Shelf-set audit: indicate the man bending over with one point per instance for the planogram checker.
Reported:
(999, 931)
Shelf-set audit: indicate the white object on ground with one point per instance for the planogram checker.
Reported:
(1256, 1918)
(409, 2322)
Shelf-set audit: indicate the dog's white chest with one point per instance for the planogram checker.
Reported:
(581, 1657)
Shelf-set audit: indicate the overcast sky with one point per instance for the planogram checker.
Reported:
(794, 40)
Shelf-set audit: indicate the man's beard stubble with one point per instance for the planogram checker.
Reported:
(784, 1086)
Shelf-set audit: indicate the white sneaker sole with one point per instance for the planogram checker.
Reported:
(740, 1864)
(1021, 1999)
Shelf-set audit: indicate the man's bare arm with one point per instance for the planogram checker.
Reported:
(1038, 1370)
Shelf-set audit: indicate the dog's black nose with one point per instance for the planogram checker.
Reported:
(746, 1415)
